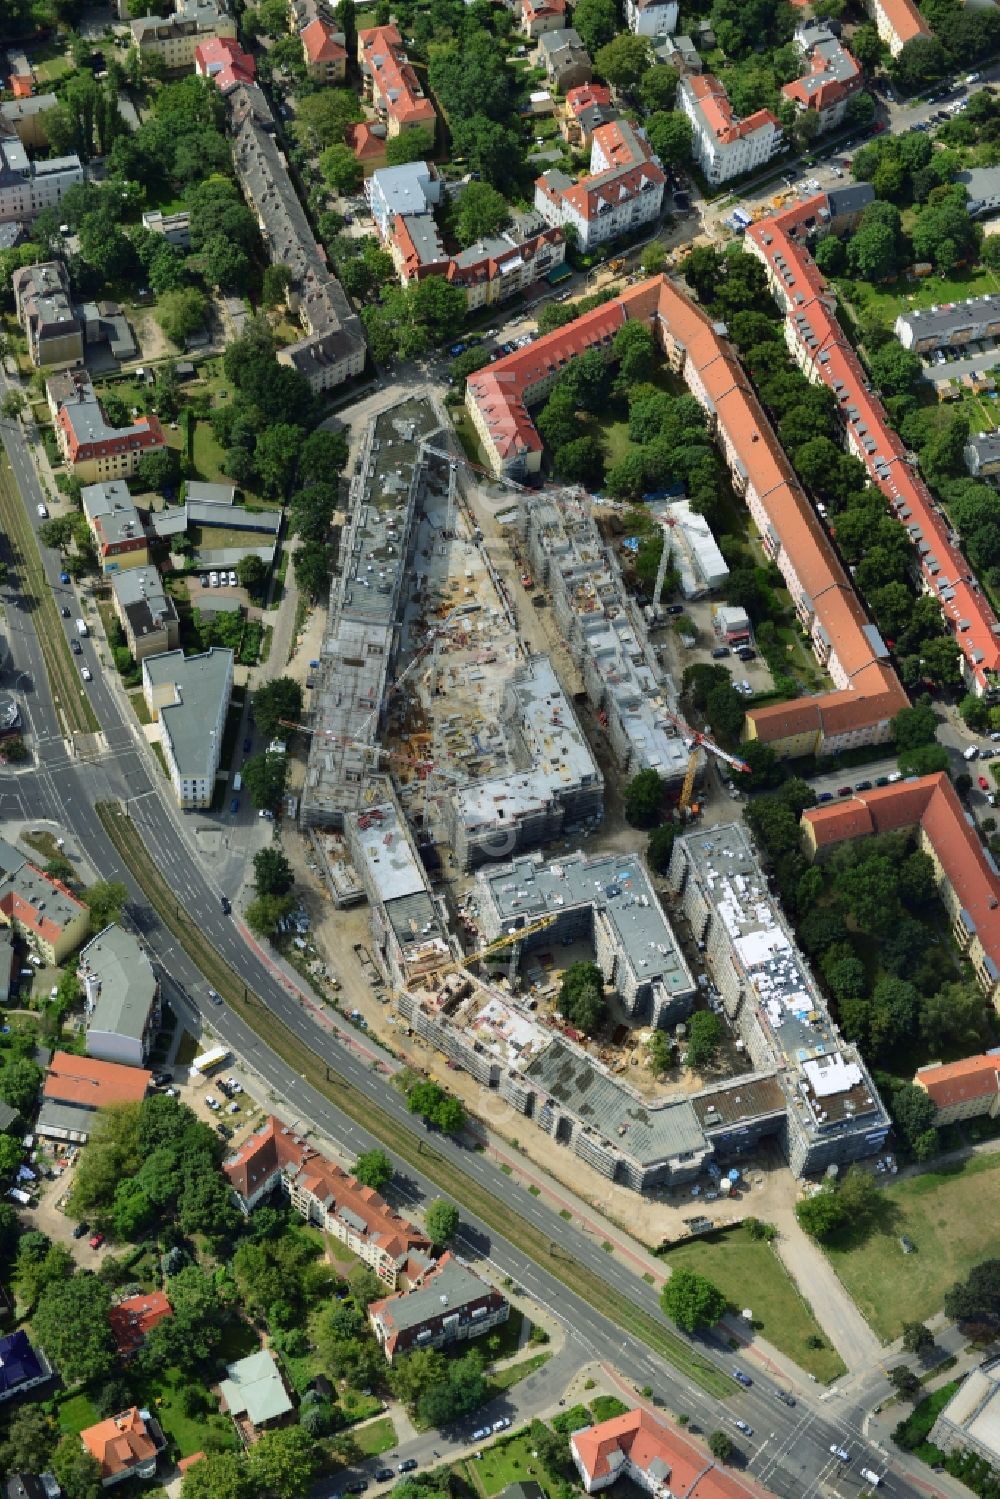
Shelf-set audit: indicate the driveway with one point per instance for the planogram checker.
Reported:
(815, 1277)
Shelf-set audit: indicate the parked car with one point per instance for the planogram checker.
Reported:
(501, 1423)
(408, 1465)
(384, 1475)
(233, 580)
(825, 796)
(212, 1102)
(984, 784)
(863, 786)
(845, 790)
(83, 1227)
(213, 580)
(224, 1131)
(234, 805)
(97, 1241)
(247, 746)
(162, 1079)
(481, 1433)
(719, 652)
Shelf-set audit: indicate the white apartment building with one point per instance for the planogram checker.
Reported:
(189, 697)
(26, 187)
(651, 17)
(725, 147)
(623, 192)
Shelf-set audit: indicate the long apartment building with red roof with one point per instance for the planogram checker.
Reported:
(866, 694)
(391, 81)
(967, 877)
(275, 1157)
(897, 22)
(824, 354)
(967, 1089)
(725, 146)
(623, 190)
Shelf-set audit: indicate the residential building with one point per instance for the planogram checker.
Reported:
(833, 76)
(45, 312)
(367, 141)
(26, 119)
(724, 146)
(652, 1455)
(134, 1318)
(391, 81)
(26, 187)
(982, 188)
(254, 1394)
(96, 451)
(680, 52)
(584, 109)
(146, 612)
(189, 697)
(897, 22)
(967, 878)
(66, 388)
(121, 997)
(333, 347)
(540, 16)
(22, 1367)
(832, 1112)
(174, 227)
(223, 59)
(448, 1304)
(694, 551)
(651, 17)
(396, 465)
(125, 1446)
(105, 322)
(970, 1422)
(555, 782)
(982, 454)
(951, 325)
(40, 908)
(76, 1087)
(407, 191)
(623, 191)
(324, 52)
(565, 59)
(969, 1089)
(275, 1158)
(176, 38)
(825, 355)
(115, 525)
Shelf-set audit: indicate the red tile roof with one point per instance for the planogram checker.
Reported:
(814, 328)
(588, 96)
(119, 1443)
(222, 59)
(646, 1441)
(831, 90)
(905, 19)
(85, 1080)
(320, 44)
(537, 10)
(717, 111)
(381, 54)
(630, 171)
(365, 141)
(262, 1156)
(133, 1318)
(932, 804)
(949, 1083)
(22, 85)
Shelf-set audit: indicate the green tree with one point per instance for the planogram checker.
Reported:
(597, 23)
(277, 705)
(341, 169)
(276, 456)
(373, 1168)
(917, 1337)
(904, 1381)
(410, 145)
(71, 1323)
(581, 996)
(251, 572)
(895, 370)
(321, 119)
(274, 287)
(264, 914)
(658, 88)
(284, 1462)
(219, 1475)
(31, 1440)
(703, 1038)
(822, 1214)
(659, 847)
(661, 1052)
(311, 511)
(670, 136)
(20, 1081)
(720, 1445)
(272, 873)
(441, 1220)
(623, 60)
(311, 562)
(692, 1301)
(106, 901)
(78, 1474)
(480, 212)
(977, 1298)
(644, 799)
(702, 270)
(181, 313)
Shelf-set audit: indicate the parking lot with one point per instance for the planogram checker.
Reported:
(676, 656)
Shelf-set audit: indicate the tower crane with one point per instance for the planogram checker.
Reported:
(696, 740)
(498, 945)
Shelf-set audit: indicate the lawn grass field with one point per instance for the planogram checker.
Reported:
(894, 297)
(505, 1463)
(750, 1274)
(189, 1434)
(953, 1218)
(376, 1437)
(76, 1413)
(506, 1378)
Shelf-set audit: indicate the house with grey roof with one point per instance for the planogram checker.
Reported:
(254, 1393)
(146, 612)
(982, 188)
(448, 1304)
(25, 118)
(949, 325)
(189, 696)
(26, 186)
(982, 455)
(565, 59)
(45, 312)
(121, 997)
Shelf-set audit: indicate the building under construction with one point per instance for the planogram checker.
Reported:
(554, 787)
(605, 634)
(364, 628)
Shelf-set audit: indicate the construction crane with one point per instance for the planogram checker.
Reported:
(490, 949)
(696, 741)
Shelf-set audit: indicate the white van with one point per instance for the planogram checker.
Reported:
(237, 782)
(43, 514)
(81, 627)
(870, 1477)
(970, 753)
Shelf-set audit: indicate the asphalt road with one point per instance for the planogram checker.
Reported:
(790, 1448)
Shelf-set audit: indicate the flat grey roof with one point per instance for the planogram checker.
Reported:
(632, 1125)
(950, 318)
(454, 1280)
(202, 681)
(215, 494)
(616, 885)
(119, 983)
(111, 504)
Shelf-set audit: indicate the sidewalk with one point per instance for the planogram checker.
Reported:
(816, 1278)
